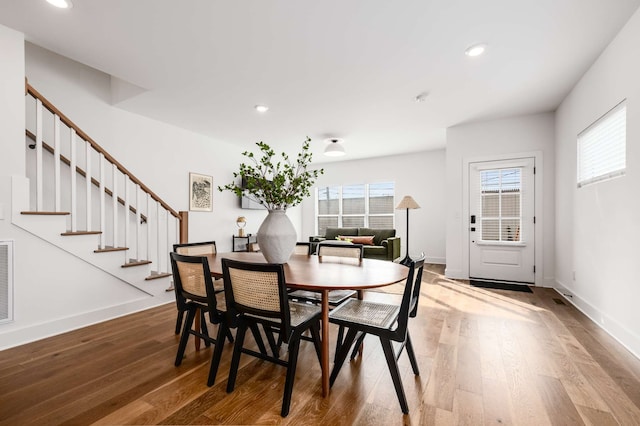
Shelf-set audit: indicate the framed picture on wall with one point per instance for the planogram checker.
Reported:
(200, 192)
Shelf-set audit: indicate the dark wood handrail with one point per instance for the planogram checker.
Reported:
(81, 172)
(33, 92)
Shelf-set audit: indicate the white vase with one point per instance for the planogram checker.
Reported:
(277, 237)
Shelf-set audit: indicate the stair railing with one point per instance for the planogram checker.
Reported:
(141, 199)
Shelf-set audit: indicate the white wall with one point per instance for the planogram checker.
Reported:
(420, 175)
(500, 139)
(598, 226)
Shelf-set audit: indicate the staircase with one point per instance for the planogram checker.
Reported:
(79, 198)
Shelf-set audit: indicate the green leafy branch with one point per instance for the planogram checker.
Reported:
(278, 185)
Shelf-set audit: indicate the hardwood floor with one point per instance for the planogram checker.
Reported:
(485, 357)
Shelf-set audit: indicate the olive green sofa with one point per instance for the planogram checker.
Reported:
(386, 246)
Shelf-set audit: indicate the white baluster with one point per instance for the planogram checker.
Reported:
(127, 225)
(74, 189)
(168, 234)
(102, 201)
(88, 183)
(148, 251)
(114, 183)
(39, 165)
(158, 245)
(138, 252)
(56, 161)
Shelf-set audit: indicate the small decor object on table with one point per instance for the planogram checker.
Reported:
(241, 222)
(276, 186)
(200, 192)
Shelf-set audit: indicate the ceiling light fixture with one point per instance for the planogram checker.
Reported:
(261, 108)
(62, 4)
(335, 148)
(476, 49)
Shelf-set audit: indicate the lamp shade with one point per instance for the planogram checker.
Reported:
(335, 148)
(407, 203)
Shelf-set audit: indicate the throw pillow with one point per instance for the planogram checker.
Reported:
(366, 240)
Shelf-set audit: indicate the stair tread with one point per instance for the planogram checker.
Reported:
(45, 213)
(136, 263)
(156, 276)
(110, 249)
(81, 233)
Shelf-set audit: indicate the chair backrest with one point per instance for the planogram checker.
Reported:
(341, 250)
(192, 281)
(196, 249)
(410, 296)
(302, 248)
(257, 289)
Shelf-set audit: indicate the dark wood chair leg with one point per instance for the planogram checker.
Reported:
(294, 345)
(186, 329)
(392, 363)
(358, 346)
(275, 349)
(217, 354)
(317, 341)
(412, 356)
(235, 360)
(339, 341)
(179, 321)
(258, 338)
(203, 326)
(342, 355)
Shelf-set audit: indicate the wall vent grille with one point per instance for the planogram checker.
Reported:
(6, 281)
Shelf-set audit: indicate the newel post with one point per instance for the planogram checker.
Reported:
(184, 227)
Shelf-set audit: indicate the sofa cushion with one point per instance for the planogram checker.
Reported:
(376, 252)
(379, 234)
(333, 233)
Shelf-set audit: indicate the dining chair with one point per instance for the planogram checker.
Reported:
(195, 249)
(194, 288)
(302, 248)
(257, 294)
(387, 321)
(335, 296)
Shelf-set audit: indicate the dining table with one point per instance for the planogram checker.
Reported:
(323, 274)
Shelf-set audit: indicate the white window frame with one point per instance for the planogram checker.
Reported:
(601, 147)
(366, 214)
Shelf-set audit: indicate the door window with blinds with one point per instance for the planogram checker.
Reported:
(501, 204)
(602, 147)
(353, 206)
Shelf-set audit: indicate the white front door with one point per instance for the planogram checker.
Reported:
(501, 222)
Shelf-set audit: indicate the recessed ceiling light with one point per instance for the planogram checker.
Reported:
(62, 4)
(261, 108)
(476, 49)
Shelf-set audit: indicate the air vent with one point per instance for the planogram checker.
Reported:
(6, 281)
(558, 301)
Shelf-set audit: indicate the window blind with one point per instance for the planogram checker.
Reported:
(602, 147)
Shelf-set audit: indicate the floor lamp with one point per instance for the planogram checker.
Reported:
(407, 203)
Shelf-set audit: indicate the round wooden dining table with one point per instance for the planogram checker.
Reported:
(323, 274)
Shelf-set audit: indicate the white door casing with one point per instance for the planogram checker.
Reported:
(502, 220)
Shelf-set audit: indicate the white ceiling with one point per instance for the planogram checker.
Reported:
(331, 68)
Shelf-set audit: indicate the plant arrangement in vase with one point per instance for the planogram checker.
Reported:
(277, 184)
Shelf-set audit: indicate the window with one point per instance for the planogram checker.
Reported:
(355, 206)
(501, 204)
(602, 147)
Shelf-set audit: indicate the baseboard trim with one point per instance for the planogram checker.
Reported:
(33, 332)
(624, 336)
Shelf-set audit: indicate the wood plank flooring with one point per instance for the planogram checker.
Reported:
(485, 357)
